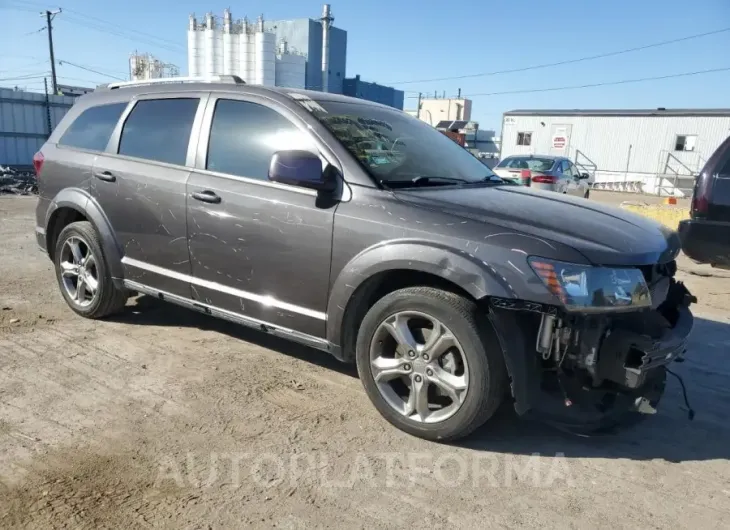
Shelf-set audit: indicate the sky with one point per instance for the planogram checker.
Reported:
(393, 42)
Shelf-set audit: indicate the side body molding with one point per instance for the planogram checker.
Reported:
(476, 277)
(80, 200)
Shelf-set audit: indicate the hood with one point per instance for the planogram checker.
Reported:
(605, 235)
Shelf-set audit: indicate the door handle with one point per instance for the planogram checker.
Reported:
(206, 196)
(106, 176)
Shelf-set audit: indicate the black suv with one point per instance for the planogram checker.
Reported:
(706, 235)
(359, 230)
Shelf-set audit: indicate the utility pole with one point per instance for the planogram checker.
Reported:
(418, 107)
(48, 106)
(49, 17)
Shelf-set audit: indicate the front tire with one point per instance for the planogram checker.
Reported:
(83, 273)
(431, 363)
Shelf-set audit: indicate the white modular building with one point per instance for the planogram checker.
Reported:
(655, 151)
(241, 48)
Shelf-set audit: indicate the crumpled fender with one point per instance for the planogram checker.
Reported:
(476, 277)
(84, 203)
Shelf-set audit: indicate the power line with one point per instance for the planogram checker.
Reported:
(591, 85)
(38, 75)
(568, 61)
(17, 70)
(121, 33)
(88, 69)
(108, 28)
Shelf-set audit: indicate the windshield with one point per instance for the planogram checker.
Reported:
(395, 147)
(534, 164)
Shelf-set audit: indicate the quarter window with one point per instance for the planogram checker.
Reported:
(93, 127)
(524, 138)
(685, 142)
(244, 136)
(159, 130)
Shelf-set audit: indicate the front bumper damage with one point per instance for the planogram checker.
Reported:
(582, 372)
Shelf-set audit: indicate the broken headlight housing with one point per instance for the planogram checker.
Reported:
(593, 289)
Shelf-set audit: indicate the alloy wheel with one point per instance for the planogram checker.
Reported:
(419, 367)
(79, 272)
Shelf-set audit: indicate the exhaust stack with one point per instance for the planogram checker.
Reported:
(327, 20)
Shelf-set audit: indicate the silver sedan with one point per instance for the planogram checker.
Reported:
(550, 173)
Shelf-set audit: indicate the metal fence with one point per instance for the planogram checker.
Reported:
(26, 121)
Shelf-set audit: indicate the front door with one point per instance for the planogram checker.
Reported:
(258, 248)
(140, 184)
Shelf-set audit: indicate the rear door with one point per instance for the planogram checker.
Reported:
(140, 184)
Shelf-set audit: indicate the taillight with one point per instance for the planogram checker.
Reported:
(701, 195)
(525, 176)
(544, 179)
(38, 160)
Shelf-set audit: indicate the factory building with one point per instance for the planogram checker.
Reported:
(323, 46)
(435, 110)
(244, 49)
(145, 66)
(300, 53)
(655, 151)
(373, 92)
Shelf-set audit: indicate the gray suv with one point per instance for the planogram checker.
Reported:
(356, 229)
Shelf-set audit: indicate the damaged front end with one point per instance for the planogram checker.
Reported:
(599, 358)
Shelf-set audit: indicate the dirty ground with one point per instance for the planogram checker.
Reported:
(164, 418)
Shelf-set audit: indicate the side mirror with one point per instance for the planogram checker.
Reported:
(300, 168)
(584, 176)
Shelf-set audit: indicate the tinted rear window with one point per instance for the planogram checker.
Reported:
(159, 129)
(93, 128)
(534, 164)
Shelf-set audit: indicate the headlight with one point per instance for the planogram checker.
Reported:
(586, 288)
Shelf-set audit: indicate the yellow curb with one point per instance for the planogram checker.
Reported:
(667, 215)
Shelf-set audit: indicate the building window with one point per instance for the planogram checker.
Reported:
(524, 138)
(685, 142)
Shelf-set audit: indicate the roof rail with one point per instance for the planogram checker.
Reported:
(228, 79)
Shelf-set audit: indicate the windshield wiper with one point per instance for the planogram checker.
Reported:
(422, 180)
(495, 179)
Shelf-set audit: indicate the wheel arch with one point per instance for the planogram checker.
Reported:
(387, 267)
(74, 204)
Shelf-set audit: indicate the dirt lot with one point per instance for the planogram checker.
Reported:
(166, 418)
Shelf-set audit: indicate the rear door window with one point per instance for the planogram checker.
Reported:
(159, 130)
(93, 127)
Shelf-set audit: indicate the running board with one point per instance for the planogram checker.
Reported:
(236, 318)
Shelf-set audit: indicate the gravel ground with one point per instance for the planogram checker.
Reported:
(165, 418)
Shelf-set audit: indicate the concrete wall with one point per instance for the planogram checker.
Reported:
(386, 95)
(24, 123)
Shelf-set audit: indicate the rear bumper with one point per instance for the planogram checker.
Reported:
(706, 241)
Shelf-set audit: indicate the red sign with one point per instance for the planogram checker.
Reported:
(559, 142)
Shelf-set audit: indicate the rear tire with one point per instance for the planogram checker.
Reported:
(476, 343)
(78, 255)
(587, 194)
